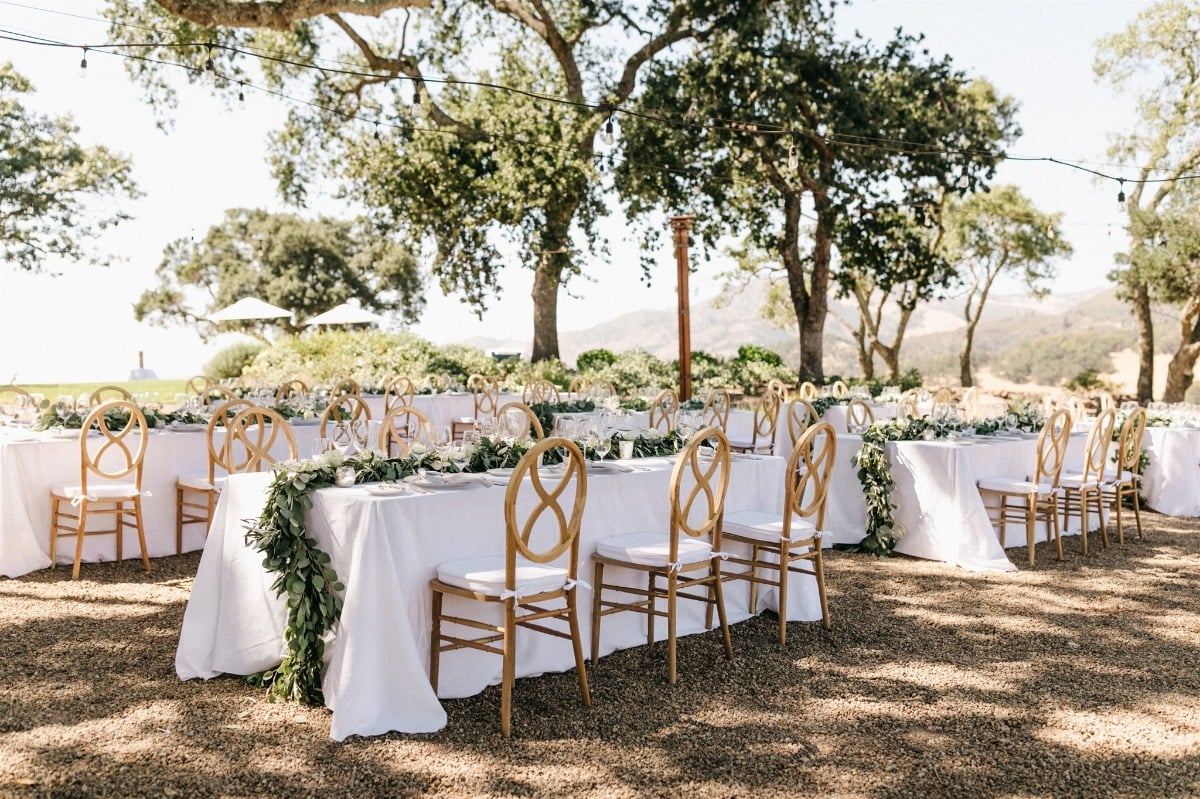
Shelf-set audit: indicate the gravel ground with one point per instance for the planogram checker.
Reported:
(1076, 679)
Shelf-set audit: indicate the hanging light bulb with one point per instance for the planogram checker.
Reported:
(83, 64)
(241, 94)
(417, 110)
(376, 131)
(210, 69)
(964, 182)
(1121, 195)
(608, 137)
(692, 114)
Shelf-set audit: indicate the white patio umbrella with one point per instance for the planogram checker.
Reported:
(346, 314)
(248, 308)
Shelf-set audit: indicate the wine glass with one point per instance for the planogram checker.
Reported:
(320, 446)
(603, 444)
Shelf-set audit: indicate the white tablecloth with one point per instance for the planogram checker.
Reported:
(386, 549)
(937, 503)
(1171, 484)
(31, 463)
(441, 409)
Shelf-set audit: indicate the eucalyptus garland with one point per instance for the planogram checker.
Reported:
(546, 411)
(303, 572)
(822, 404)
(116, 418)
(875, 473)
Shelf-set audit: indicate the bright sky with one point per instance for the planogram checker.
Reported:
(79, 325)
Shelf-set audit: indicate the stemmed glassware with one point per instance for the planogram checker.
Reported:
(603, 444)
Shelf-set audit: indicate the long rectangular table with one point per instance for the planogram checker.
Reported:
(386, 548)
(1171, 483)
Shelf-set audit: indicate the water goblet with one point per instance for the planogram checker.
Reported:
(603, 444)
(320, 446)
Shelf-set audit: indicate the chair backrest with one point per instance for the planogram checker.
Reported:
(398, 392)
(709, 479)
(809, 470)
(290, 388)
(970, 403)
(579, 385)
(14, 400)
(716, 409)
(807, 390)
(907, 408)
(943, 397)
(399, 427)
(665, 411)
(1052, 448)
(1106, 400)
(801, 414)
(251, 435)
(215, 394)
(123, 428)
(510, 414)
(221, 417)
(776, 385)
(1129, 441)
(434, 382)
(839, 389)
(766, 416)
(105, 394)
(520, 532)
(1099, 438)
(197, 385)
(345, 386)
(858, 414)
(602, 389)
(348, 410)
(486, 391)
(540, 392)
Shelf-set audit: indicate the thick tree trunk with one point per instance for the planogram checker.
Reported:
(554, 261)
(1140, 300)
(866, 359)
(964, 357)
(806, 291)
(1182, 370)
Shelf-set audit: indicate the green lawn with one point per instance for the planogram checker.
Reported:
(167, 389)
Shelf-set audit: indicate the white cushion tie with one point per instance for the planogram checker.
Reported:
(79, 499)
(571, 584)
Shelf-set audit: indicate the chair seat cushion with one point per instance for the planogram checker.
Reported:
(199, 482)
(1002, 486)
(764, 526)
(652, 548)
(1075, 481)
(98, 491)
(485, 575)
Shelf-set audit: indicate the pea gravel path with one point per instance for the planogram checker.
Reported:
(1077, 679)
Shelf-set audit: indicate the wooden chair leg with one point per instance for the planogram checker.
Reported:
(141, 532)
(819, 563)
(577, 643)
(1057, 528)
(53, 530)
(435, 641)
(178, 520)
(510, 666)
(753, 583)
(649, 608)
(716, 572)
(781, 594)
(79, 539)
(598, 582)
(1030, 527)
(671, 672)
(1137, 510)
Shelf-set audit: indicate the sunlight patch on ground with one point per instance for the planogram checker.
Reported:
(1169, 727)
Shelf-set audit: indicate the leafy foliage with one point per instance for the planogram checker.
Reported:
(233, 360)
(305, 266)
(594, 360)
(48, 183)
(1051, 360)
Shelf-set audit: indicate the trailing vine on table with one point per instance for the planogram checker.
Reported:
(303, 572)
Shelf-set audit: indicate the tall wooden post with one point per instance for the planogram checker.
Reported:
(682, 225)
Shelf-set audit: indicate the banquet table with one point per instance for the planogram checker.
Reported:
(440, 409)
(385, 549)
(1171, 483)
(938, 506)
(32, 462)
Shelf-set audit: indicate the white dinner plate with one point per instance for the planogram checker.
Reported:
(443, 482)
(498, 472)
(386, 489)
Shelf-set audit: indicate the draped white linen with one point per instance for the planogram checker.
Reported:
(1171, 484)
(386, 548)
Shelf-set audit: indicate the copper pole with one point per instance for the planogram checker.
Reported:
(682, 225)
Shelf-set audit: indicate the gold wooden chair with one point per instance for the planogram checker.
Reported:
(777, 385)
(344, 387)
(602, 389)
(1083, 488)
(907, 408)
(400, 427)
(579, 385)
(252, 438)
(716, 409)
(486, 393)
(540, 392)
(349, 416)
(807, 390)
(196, 495)
(943, 404)
(399, 391)
(520, 421)
(215, 395)
(686, 556)
(106, 394)
(530, 575)
(1034, 499)
(858, 415)
(766, 420)
(197, 385)
(1126, 481)
(15, 402)
(290, 389)
(970, 403)
(796, 537)
(120, 455)
(839, 389)
(800, 416)
(435, 382)
(664, 412)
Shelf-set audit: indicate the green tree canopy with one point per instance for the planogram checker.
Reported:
(49, 183)
(306, 266)
(791, 123)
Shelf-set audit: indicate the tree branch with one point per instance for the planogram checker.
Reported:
(276, 14)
